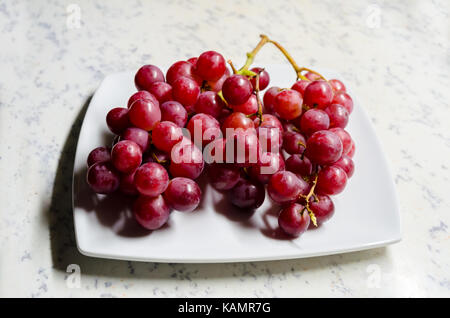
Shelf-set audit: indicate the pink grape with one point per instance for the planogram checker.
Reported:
(236, 89)
(162, 91)
(144, 114)
(210, 66)
(183, 194)
(247, 194)
(151, 179)
(209, 103)
(117, 120)
(331, 180)
(288, 104)
(103, 178)
(345, 137)
(147, 75)
(99, 154)
(165, 135)
(138, 135)
(175, 112)
(264, 78)
(338, 115)
(151, 212)
(318, 94)
(223, 176)
(324, 147)
(344, 99)
(126, 156)
(294, 219)
(346, 164)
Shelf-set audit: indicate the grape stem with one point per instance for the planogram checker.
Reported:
(157, 160)
(307, 197)
(251, 55)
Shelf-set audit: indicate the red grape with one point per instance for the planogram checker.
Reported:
(269, 99)
(293, 142)
(209, 103)
(186, 160)
(236, 89)
(269, 164)
(138, 135)
(185, 91)
(162, 91)
(117, 120)
(126, 156)
(346, 163)
(270, 138)
(175, 112)
(294, 219)
(337, 85)
(249, 107)
(236, 121)
(264, 78)
(147, 75)
(288, 104)
(103, 178)
(331, 180)
(210, 66)
(203, 129)
(318, 94)
(183, 194)
(338, 115)
(299, 165)
(181, 69)
(144, 114)
(216, 86)
(323, 147)
(165, 135)
(193, 60)
(151, 212)
(142, 95)
(300, 86)
(345, 139)
(247, 194)
(314, 120)
(151, 179)
(312, 76)
(351, 153)
(99, 154)
(344, 99)
(269, 120)
(127, 184)
(323, 209)
(214, 152)
(223, 176)
(242, 148)
(284, 187)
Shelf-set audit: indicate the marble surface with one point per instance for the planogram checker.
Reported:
(396, 55)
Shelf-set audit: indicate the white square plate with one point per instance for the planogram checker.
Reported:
(366, 213)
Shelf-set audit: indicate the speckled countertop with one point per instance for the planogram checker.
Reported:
(53, 55)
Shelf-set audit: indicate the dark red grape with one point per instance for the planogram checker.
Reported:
(147, 75)
(210, 66)
(346, 163)
(293, 142)
(299, 165)
(323, 208)
(186, 91)
(126, 156)
(338, 115)
(236, 89)
(151, 179)
(117, 120)
(103, 178)
(99, 154)
(165, 135)
(314, 120)
(331, 180)
(269, 99)
(247, 194)
(127, 184)
(214, 152)
(270, 138)
(175, 112)
(138, 135)
(151, 212)
(264, 78)
(162, 91)
(323, 147)
(223, 176)
(209, 103)
(345, 139)
(242, 148)
(318, 94)
(284, 187)
(183, 194)
(269, 164)
(294, 219)
(144, 114)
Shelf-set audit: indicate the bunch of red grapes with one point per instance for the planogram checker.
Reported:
(294, 142)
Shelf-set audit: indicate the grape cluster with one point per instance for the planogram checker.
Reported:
(200, 117)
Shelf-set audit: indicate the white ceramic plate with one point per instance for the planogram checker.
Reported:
(366, 213)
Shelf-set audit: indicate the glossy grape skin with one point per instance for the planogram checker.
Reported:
(138, 135)
(346, 163)
(269, 120)
(193, 60)
(247, 194)
(298, 165)
(183, 194)
(269, 99)
(103, 178)
(344, 99)
(331, 180)
(284, 187)
(345, 137)
(99, 154)
(147, 75)
(151, 179)
(289, 126)
(237, 120)
(204, 129)
(338, 115)
(144, 114)
(294, 219)
(223, 176)
(209, 103)
(312, 76)
(300, 86)
(216, 86)
(324, 147)
(314, 120)
(186, 92)
(175, 112)
(270, 138)
(269, 164)
(165, 135)
(117, 120)
(247, 108)
(151, 212)
(182, 69)
(127, 184)
(186, 160)
(293, 142)
(318, 94)
(323, 209)
(351, 153)
(142, 95)
(288, 104)
(236, 89)
(264, 78)
(210, 66)
(162, 91)
(337, 85)
(126, 156)
(245, 147)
